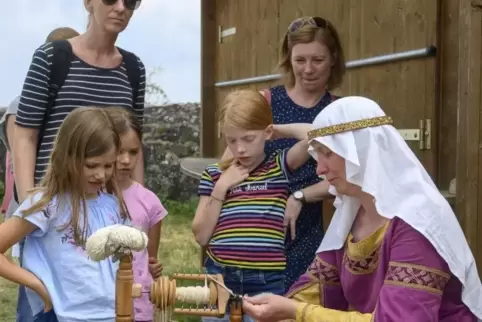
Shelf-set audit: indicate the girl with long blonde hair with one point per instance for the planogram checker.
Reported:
(242, 200)
(77, 196)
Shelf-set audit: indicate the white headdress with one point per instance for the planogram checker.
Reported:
(380, 162)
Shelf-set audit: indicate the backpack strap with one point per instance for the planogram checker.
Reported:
(59, 69)
(61, 60)
(133, 72)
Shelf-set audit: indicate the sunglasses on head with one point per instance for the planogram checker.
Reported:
(129, 4)
(311, 21)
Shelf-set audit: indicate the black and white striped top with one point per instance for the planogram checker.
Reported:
(85, 85)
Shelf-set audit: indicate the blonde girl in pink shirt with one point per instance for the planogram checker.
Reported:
(144, 206)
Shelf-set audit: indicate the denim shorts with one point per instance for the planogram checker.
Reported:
(45, 317)
(244, 281)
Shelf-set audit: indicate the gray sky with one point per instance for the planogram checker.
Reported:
(165, 34)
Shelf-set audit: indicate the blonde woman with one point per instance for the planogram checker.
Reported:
(313, 64)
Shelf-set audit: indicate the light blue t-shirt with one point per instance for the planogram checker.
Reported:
(81, 289)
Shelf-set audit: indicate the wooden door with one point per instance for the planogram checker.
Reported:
(406, 90)
(250, 47)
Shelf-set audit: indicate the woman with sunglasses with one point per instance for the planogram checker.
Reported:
(313, 64)
(98, 74)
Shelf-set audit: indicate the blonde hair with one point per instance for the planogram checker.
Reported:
(244, 109)
(308, 33)
(62, 33)
(85, 133)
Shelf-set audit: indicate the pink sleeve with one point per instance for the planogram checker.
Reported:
(157, 211)
(415, 279)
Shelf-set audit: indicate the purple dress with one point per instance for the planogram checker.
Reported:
(395, 274)
(309, 226)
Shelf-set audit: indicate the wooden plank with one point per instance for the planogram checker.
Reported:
(469, 163)
(252, 51)
(476, 86)
(208, 59)
(447, 54)
(405, 90)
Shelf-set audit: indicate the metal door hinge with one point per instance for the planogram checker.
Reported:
(225, 33)
(423, 134)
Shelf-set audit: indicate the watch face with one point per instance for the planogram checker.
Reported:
(298, 195)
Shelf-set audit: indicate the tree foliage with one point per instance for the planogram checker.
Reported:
(155, 95)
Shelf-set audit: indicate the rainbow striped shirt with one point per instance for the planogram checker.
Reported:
(249, 232)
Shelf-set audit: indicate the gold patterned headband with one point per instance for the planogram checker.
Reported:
(349, 126)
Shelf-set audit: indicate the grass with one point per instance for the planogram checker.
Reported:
(178, 252)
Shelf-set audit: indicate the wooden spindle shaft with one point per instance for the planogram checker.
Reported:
(189, 277)
(236, 310)
(124, 307)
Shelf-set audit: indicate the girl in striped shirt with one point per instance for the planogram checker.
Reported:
(239, 218)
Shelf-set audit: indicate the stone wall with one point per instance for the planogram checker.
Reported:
(171, 133)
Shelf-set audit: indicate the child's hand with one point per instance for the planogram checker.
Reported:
(41, 290)
(155, 268)
(233, 176)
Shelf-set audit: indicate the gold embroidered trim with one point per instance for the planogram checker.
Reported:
(363, 257)
(417, 277)
(366, 246)
(326, 273)
(319, 272)
(349, 126)
(362, 266)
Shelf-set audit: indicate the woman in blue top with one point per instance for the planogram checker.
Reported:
(71, 203)
(312, 63)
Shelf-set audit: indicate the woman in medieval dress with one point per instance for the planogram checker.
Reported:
(394, 250)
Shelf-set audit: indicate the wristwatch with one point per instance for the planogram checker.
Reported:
(299, 195)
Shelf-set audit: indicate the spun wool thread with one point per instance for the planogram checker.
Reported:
(193, 294)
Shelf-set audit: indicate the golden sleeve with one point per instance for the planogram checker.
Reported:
(316, 313)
